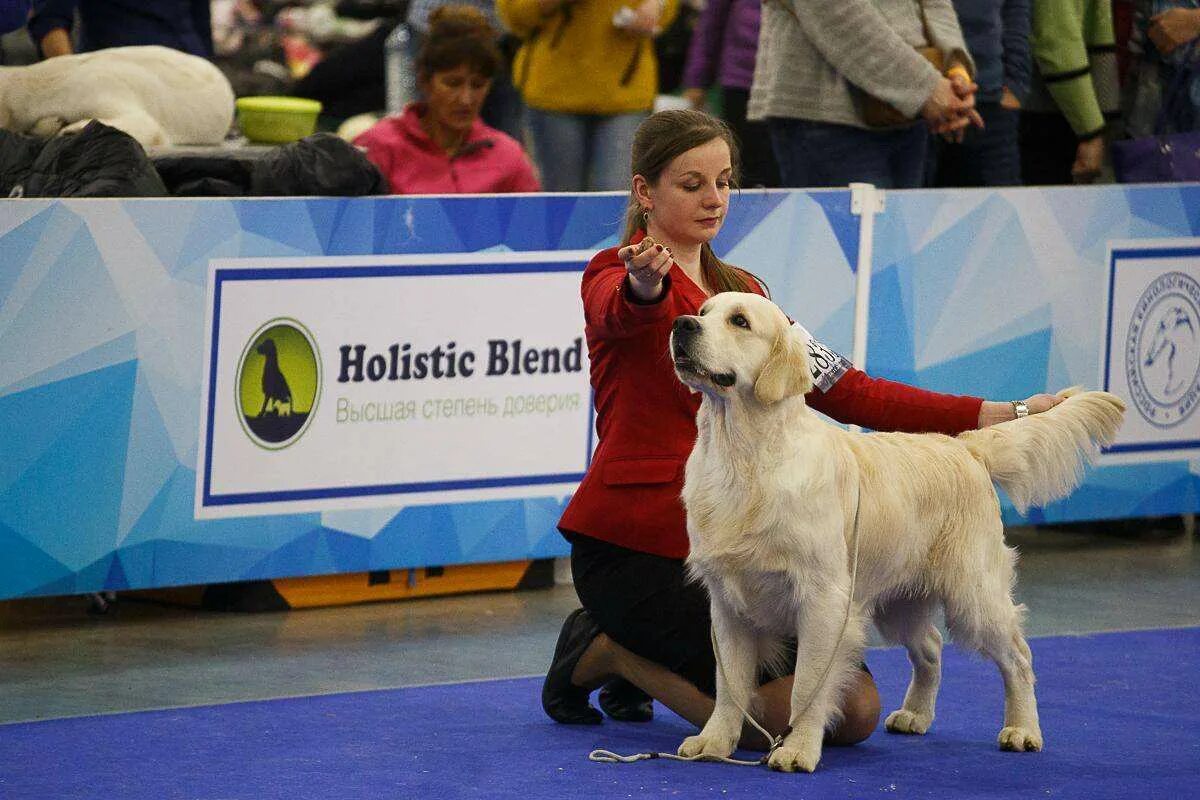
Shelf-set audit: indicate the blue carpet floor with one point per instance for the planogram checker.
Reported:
(1120, 712)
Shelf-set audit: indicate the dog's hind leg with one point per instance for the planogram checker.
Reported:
(908, 621)
(47, 127)
(981, 614)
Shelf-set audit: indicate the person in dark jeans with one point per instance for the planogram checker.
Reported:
(997, 34)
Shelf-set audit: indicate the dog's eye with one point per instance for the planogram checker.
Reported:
(740, 321)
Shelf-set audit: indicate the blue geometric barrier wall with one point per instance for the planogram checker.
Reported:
(1007, 293)
(102, 318)
(102, 354)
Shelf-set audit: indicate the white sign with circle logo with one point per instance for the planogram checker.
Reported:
(380, 381)
(1151, 356)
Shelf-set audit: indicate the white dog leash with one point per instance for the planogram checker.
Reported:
(609, 757)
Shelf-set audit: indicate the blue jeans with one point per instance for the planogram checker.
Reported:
(822, 154)
(987, 157)
(582, 152)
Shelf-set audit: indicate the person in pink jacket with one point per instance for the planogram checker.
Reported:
(441, 146)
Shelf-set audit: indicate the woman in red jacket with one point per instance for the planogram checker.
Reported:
(644, 627)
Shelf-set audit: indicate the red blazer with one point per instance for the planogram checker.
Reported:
(646, 418)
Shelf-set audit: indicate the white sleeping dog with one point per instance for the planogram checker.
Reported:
(772, 493)
(157, 95)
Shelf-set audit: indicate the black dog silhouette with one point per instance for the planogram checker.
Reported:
(274, 385)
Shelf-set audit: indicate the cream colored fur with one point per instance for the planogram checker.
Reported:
(157, 95)
(772, 495)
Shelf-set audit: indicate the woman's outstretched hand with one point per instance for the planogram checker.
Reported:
(647, 263)
(992, 412)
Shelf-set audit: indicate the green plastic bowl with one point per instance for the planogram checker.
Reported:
(277, 119)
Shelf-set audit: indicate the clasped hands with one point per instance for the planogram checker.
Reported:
(951, 106)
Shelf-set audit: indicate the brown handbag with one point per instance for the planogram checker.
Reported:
(881, 114)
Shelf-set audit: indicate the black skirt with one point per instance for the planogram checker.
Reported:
(647, 604)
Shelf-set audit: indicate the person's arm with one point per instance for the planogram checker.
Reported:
(50, 26)
(1173, 28)
(851, 396)
(1014, 41)
(1058, 46)
(854, 37)
(882, 405)
(704, 51)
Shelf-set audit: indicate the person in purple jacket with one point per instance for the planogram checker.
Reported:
(723, 48)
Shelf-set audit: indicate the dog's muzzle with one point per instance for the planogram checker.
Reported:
(684, 331)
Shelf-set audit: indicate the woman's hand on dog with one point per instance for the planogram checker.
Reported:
(991, 412)
(647, 263)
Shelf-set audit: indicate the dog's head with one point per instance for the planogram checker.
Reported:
(266, 348)
(740, 344)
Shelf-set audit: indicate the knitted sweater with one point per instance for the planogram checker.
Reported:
(817, 62)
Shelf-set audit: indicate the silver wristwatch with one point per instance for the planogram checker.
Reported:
(1020, 409)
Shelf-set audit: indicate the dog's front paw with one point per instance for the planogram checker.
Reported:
(795, 759)
(702, 745)
(1020, 739)
(904, 721)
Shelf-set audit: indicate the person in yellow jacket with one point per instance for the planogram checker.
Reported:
(588, 74)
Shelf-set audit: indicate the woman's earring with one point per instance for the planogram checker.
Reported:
(646, 216)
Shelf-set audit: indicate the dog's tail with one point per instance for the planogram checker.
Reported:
(1040, 458)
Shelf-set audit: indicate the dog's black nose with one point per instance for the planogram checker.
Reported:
(686, 325)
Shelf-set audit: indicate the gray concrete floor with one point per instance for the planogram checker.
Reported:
(57, 661)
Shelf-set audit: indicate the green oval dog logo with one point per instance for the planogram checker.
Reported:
(279, 383)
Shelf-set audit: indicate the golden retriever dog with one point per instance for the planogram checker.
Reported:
(157, 95)
(784, 508)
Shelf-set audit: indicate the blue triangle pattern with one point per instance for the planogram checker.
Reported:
(24, 566)
(589, 216)
(746, 211)
(34, 419)
(85, 463)
(103, 354)
(1008, 369)
(278, 221)
(165, 227)
(836, 207)
(479, 227)
(416, 535)
(351, 228)
(18, 246)
(889, 339)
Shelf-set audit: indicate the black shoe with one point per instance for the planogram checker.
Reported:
(562, 700)
(625, 702)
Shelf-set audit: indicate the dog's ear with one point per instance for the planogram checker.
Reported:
(785, 373)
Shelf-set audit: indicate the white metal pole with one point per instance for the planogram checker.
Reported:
(865, 202)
